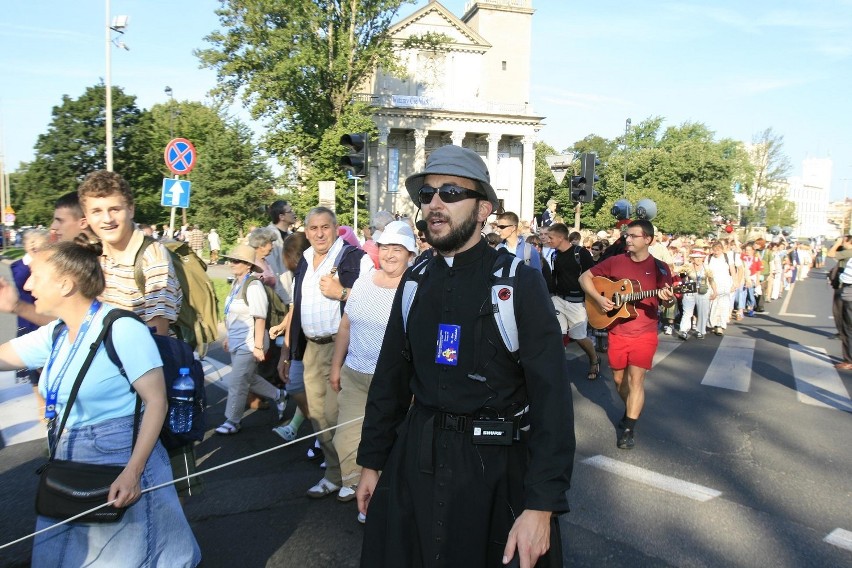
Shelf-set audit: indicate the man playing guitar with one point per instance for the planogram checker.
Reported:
(632, 342)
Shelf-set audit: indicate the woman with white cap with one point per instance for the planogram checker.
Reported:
(698, 301)
(359, 340)
(246, 340)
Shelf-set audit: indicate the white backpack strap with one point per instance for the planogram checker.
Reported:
(409, 290)
(503, 302)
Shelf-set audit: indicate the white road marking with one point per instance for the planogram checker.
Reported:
(817, 381)
(840, 538)
(731, 365)
(657, 480)
(665, 348)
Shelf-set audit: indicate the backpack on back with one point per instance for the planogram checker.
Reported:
(503, 285)
(175, 354)
(276, 309)
(198, 318)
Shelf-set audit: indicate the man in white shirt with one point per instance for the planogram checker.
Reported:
(320, 287)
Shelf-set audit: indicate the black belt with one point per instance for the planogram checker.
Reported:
(455, 423)
(325, 340)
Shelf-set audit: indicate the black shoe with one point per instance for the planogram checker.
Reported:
(625, 441)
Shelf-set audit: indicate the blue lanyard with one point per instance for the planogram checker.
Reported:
(234, 290)
(53, 389)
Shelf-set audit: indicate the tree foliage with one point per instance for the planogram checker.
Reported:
(299, 64)
(684, 169)
(230, 176)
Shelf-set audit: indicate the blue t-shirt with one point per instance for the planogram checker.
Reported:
(104, 393)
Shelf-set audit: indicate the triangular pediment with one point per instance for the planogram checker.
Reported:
(435, 18)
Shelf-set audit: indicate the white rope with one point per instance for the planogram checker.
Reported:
(184, 478)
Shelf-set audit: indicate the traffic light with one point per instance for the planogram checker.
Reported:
(579, 190)
(587, 170)
(356, 160)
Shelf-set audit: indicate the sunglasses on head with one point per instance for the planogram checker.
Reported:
(449, 193)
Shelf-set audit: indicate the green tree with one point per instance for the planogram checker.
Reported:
(75, 144)
(299, 64)
(765, 179)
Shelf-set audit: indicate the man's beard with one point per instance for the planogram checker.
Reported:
(458, 236)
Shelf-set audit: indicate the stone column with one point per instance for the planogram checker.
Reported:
(419, 160)
(458, 137)
(528, 179)
(379, 172)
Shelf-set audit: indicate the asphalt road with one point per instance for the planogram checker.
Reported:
(756, 475)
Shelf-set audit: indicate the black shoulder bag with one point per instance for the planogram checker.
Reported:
(67, 488)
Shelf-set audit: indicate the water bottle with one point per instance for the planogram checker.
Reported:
(181, 403)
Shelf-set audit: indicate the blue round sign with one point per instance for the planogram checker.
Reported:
(180, 156)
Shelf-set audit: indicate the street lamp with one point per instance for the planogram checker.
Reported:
(626, 132)
(168, 91)
(119, 24)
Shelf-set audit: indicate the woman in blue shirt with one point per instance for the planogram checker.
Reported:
(66, 280)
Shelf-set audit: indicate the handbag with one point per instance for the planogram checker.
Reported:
(67, 488)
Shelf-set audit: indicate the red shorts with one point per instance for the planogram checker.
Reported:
(635, 350)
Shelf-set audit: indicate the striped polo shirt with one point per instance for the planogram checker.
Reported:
(162, 295)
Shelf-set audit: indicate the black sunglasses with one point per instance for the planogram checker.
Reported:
(504, 226)
(449, 193)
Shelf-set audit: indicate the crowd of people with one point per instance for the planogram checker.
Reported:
(479, 428)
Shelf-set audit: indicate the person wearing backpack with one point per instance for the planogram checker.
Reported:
(474, 472)
(99, 417)
(108, 204)
(507, 228)
(245, 322)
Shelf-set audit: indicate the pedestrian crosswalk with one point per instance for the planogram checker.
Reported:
(816, 380)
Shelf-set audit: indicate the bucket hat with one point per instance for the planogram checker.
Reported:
(244, 253)
(398, 233)
(453, 160)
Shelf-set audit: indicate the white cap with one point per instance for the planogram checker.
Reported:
(398, 233)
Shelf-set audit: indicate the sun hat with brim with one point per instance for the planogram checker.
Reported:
(398, 233)
(244, 253)
(453, 160)
(697, 253)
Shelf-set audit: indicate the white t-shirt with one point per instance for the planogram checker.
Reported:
(239, 316)
(368, 308)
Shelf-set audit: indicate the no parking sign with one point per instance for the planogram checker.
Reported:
(180, 156)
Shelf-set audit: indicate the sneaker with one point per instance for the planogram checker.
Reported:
(749, 314)
(346, 493)
(287, 432)
(699, 335)
(315, 452)
(626, 442)
(668, 330)
(281, 404)
(322, 489)
(362, 518)
(683, 335)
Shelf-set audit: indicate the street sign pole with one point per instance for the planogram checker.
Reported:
(172, 216)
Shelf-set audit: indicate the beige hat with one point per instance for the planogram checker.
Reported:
(602, 234)
(244, 253)
(697, 253)
(701, 243)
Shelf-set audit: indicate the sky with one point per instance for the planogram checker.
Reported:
(737, 67)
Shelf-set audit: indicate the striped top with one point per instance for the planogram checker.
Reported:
(163, 295)
(368, 308)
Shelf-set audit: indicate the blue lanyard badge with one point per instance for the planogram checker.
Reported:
(53, 389)
(234, 291)
(448, 344)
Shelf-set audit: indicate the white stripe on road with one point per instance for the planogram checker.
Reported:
(658, 480)
(731, 365)
(840, 538)
(817, 381)
(19, 416)
(665, 348)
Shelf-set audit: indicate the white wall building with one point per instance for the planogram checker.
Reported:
(810, 193)
(472, 91)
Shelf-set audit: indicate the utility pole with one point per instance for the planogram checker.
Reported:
(626, 132)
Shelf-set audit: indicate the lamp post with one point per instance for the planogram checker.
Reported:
(168, 91)
(626, 132)
(119, 24)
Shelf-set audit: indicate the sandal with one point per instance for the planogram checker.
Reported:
(228, 429)
(594, 370)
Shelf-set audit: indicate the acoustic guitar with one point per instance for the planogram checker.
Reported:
(622, 293)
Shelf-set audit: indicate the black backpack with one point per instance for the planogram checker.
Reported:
(175, 354)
